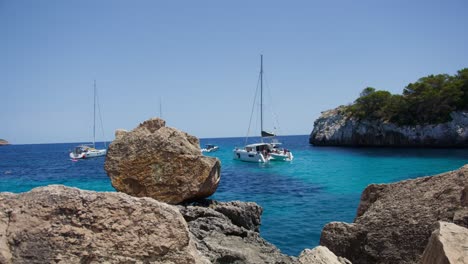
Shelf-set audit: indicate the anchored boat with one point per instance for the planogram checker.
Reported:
(269, 148)
(210, 148)
(89, 151)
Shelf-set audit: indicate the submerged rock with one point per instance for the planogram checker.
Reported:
(394, 221)
(58, 224)
(335, 128)
(162, 163)
(448, 244)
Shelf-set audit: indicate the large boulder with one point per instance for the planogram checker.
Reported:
(58, 224)
(335, 128)
(228, 233)
(394, 221)
(162, 163)
(448, 244)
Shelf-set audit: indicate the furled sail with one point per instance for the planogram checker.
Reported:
(267, 134)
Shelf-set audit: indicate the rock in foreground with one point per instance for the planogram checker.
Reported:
(335, 128)
(58, 224)
(394, 221)
(448, 244)
(228, 233)
(320, 255)
(162, 163)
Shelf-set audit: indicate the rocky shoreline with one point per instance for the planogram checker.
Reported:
(59, 224)
(335, 128)
(395, 221)
(161, 215)
(4, 142)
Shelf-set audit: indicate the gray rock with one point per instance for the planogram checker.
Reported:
(394, 221)
(162, 163)
(447, 245)
(228, 233)
(334, 128)
(58, 224)
(320, 255)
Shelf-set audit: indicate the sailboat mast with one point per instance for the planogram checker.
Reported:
(94, 117)
(261, 96)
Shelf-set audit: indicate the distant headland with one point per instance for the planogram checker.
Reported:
(3, 142)
(432, 112)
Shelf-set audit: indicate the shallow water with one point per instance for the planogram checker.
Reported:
(321, 185)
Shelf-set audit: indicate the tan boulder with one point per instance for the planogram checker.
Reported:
(320, 255)
(58, 224)
(447, 245)
(162, 163)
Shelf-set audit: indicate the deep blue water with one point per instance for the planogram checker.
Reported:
(321, 185)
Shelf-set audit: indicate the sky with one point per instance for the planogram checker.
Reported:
(199, 61)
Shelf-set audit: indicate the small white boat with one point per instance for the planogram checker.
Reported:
(210, 148)
(89, 151)
(85, 151)
(264, 151)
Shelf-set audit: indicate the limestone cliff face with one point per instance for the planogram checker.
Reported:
(334, 128)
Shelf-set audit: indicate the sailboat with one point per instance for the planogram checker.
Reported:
(89, 151)
(269, 148)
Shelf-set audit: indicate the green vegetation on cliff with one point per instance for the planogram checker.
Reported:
(430, 100)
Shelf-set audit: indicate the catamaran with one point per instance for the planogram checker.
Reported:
(89, 151)
(269, 148)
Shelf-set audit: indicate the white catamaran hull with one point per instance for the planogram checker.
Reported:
(281, 157)
(249, 156)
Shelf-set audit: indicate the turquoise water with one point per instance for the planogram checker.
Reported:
(321, 185)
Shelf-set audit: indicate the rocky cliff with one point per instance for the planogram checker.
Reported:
(335, 128)
(3, 142)
(394, 221)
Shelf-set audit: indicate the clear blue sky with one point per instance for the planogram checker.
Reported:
(202, 59)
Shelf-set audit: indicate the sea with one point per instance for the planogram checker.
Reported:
(321, 184)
